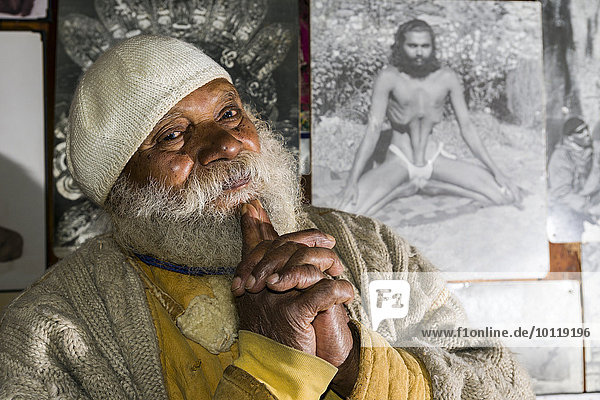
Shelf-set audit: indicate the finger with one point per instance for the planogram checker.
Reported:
(325, 260)
(256, 266)
(310, 238)
(250, 225)
(322, 296)
(245, 267)
(266, 227)
(273, 260)
(295, 277)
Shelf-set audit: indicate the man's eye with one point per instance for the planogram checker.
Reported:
(171, 136)
(229, 114)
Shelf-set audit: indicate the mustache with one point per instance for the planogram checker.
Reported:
(217, 178)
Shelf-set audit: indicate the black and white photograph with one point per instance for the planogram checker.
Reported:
(590, 283)
(429, 117)
(255, 40)
(23, 9)
(571, 65)
(22, 161)
(553, 369)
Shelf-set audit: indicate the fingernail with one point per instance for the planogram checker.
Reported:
(250, 282)
(251, 210)
(256, 204)
(236, 283)
(273, 278)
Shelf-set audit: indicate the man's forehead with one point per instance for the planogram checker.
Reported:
(418, 35)
(218, 90)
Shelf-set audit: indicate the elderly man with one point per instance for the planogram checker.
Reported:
(214, 282)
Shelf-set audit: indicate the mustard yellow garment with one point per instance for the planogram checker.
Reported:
(284, 362)
(191, 372)
(389, 373)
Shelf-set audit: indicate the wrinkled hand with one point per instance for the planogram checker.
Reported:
(283, 292)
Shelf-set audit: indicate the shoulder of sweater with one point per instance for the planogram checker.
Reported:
(93, 254)
(314, 214)
(313, 211)
(368, 234)
(322, 216)
(89, 260)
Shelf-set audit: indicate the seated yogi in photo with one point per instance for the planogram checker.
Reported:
(215, 283)
(411, 93)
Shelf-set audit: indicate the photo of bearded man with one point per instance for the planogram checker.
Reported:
(434, 125)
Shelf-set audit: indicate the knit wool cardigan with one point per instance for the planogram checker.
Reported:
(85, 330)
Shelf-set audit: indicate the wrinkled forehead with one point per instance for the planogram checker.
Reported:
(214, 91)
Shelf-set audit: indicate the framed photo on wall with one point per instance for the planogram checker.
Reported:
(428, 115)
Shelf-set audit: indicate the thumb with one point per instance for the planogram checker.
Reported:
(267, 230)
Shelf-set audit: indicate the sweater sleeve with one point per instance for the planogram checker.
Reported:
(45, 352)
(83, 331)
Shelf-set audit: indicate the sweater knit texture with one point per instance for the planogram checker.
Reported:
(85, 330)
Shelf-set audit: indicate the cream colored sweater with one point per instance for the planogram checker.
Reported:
(85, 331)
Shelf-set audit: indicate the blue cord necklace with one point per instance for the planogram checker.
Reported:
(184, 269)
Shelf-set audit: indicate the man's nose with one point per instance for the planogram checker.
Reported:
(213, 143)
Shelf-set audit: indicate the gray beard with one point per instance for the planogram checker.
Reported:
(200, 224)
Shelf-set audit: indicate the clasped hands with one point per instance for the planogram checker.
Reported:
(284, 291)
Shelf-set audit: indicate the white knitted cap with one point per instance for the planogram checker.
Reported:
(120, 99)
